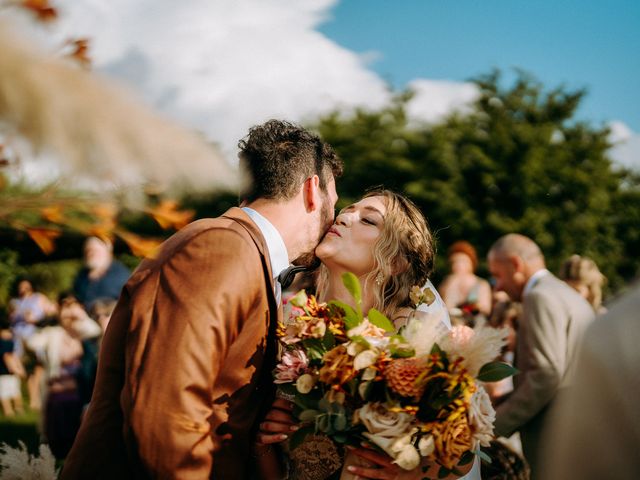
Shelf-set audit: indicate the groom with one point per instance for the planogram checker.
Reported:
(185, 363)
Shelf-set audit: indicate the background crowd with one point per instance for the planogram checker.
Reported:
(50, 348)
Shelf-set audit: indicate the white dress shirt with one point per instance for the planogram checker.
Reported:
(278, 255)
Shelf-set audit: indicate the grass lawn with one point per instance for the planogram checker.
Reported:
(22, 427)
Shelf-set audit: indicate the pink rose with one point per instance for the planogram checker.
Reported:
(293, 364)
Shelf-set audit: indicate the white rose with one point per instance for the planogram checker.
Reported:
(365, 359)
(426, 445)
(369, 374)
(305, 383)
(481, 417)
(408, 458)
(384, 427)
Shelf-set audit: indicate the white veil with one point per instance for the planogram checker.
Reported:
(436, 309)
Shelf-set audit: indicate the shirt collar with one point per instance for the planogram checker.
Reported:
(533, 280)
(277, 249)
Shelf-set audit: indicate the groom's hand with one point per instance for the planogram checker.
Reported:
(278, 424)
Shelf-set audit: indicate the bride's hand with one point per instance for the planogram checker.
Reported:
(383, 468)
(278, 424)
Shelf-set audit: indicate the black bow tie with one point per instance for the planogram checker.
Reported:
(288, 274)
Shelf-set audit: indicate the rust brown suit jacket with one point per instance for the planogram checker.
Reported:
(185, 365)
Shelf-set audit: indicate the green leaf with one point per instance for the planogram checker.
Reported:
(360, 340)
(288, 389)
(466, 458)
(378, 319)
(307, 401)
(351, 317)
(495, 371)
(323, 423)
(299, 435)
(314, 347)
(483, 456)
(308, 415)
(436, 349)
(329, 340)
(340, 438)
(352, 284)
(340, 422)
(443, 472)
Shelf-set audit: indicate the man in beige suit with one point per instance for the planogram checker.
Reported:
(595, 427)
(555, 318)
(186, 361)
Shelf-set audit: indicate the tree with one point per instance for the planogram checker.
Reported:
(518, 162)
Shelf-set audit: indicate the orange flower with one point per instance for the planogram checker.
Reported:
(167, 215)
(44, 238)
(42, 8)
(105, 211)
(52, 214)
(103, 231)
(141, 247)
(452, 439)
(337, 368)
(80, 52)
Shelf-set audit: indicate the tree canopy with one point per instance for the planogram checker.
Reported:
(518, 162)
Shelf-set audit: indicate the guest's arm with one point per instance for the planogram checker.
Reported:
(543, 333)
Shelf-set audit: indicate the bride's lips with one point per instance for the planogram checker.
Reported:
(334, 231)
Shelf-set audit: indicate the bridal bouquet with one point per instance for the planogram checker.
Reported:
(412, 393)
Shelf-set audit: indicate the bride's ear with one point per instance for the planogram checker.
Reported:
(311, 193)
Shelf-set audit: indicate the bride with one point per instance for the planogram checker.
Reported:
(384, 240)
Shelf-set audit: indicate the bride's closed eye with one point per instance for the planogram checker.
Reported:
(369, 221)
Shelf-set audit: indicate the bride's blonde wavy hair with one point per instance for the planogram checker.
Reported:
(403, 254)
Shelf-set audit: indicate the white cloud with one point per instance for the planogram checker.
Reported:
(222, 66)
(626, 149)
(434, 99)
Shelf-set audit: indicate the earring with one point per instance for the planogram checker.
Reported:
(379, 278)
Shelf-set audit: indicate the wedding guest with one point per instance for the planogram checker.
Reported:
(102, 277)
(11, 372)
(26, 312)
(595, 432)
(185, 365)
(585, 277)
(465, 294)
(504, 314)
(80, 326)
(63, 406)
(554, 320)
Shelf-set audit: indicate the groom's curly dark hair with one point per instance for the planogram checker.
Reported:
(279, 156)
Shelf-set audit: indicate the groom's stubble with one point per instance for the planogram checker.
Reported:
(327, 215)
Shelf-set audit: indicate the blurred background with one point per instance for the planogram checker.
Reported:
(120, 120)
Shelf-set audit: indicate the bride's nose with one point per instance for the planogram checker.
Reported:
(343, 219)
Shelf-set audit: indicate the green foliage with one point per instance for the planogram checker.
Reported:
(352, 284)
(519, 162)
(380, 320)
(495, 371)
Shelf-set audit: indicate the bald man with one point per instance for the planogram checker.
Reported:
(555, 318)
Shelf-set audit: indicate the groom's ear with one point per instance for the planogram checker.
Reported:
(311, 193)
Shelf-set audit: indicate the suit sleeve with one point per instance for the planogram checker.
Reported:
(545, 350)
(203, 297)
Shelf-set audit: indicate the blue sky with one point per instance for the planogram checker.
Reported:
(592, 44)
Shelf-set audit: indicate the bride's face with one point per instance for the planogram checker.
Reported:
(349, 242)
